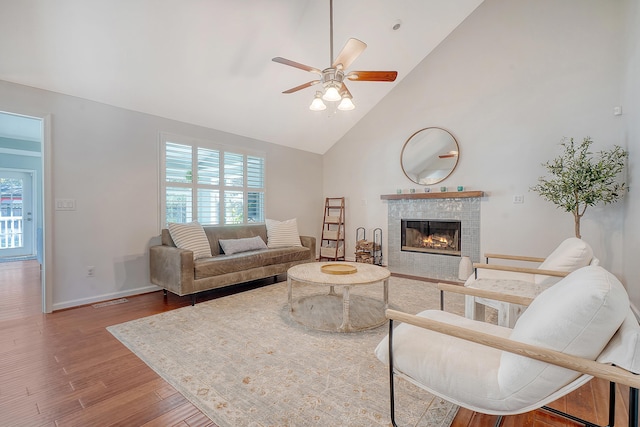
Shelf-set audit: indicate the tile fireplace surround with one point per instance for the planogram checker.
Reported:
(461, 206)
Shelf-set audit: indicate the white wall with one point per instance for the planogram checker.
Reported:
(106, 158)
(511, 81)
(631, 110)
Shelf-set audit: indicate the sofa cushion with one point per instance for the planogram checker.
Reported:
(281, 234)
(190, 236)
(578, 315)
(225, 264)
(234, 246)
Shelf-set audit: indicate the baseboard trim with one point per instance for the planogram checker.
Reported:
(104, 297)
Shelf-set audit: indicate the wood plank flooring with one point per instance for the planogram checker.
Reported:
(66, 369)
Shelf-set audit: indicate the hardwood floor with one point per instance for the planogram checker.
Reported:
(66, 369)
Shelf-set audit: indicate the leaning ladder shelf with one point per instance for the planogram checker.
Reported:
(332, 245)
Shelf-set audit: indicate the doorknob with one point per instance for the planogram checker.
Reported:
(28, 216)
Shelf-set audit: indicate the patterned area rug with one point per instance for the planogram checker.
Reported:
(243, 362)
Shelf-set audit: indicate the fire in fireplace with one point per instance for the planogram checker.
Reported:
(431, 236)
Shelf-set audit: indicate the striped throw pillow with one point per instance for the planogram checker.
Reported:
(282, 234)
(191, 236)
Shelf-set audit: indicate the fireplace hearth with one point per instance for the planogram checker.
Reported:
(441, 237)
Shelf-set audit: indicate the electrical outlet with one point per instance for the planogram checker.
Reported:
(91, 271)
(518, 198)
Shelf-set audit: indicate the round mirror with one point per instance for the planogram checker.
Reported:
(429, 156)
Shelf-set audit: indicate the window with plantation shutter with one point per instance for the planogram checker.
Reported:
(209, 183)
(255, 181)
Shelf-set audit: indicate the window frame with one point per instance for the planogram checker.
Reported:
(221, 188)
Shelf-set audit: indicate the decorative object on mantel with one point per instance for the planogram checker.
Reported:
(367, 251)
(332, 78)
(578, 179)
(429, 156)
(465, 269)
(440, 195)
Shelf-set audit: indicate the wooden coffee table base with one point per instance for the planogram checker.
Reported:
(331, 311)
(326, 312)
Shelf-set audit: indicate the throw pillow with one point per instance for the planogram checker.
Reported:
(234, 246)
(282, 234)
(578, 316)
(191, 236)
(570, 255)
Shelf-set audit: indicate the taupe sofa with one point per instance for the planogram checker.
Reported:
(176, 271)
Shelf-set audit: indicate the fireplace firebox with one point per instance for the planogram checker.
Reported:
(431, 236)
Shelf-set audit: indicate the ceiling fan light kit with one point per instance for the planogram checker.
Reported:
(317, 104)
(332, 78)
(346, 104)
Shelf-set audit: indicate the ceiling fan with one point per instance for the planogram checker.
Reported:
(332, 78)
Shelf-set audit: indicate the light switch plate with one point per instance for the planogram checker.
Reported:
(65, 204)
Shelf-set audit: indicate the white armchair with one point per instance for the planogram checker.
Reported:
(570, 255)
(570, 333)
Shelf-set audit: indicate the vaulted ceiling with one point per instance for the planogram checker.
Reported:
(208, 62)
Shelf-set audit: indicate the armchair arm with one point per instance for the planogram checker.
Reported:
(482, 293)
(514, 257)
(521, 269)
(575, 363)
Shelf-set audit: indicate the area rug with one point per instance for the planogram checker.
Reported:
(243, 362)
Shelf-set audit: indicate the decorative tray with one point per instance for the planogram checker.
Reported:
(338, 269)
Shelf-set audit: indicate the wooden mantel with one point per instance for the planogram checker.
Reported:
(434, 195)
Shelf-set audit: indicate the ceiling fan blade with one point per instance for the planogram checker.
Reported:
(373, 76)
(302, 86)
(349, 53)
(296, 65)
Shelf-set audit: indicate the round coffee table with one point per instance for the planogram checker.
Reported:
(322, 311)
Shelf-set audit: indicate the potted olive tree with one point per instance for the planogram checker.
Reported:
(579, 179)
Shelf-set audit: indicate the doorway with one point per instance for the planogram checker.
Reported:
(25, 192)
